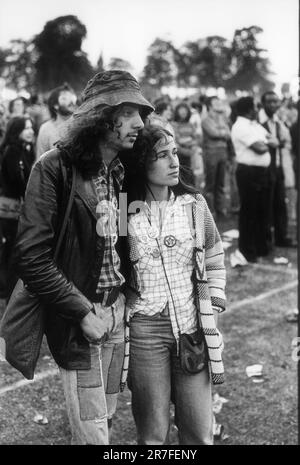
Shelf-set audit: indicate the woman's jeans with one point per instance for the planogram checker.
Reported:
(91, 395)
(155, 379)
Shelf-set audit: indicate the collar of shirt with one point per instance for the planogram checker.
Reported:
(174, 202)
(263, 117)
(115, 168)
(242, 119)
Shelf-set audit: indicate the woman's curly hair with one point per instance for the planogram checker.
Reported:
(137, 162)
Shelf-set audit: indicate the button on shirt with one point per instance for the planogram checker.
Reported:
(107, 224)
(176, 245)
(244, 133)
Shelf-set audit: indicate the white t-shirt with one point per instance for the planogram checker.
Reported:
(244, 133)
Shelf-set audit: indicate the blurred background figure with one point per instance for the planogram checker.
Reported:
(61, 104)
(294, 131)
(163, 115)
(281, 173)
(253, 179)
(17, 160)
(3, 122)
(38, 111)
(188, 143)
(195, 119)
(17, 107)
(216, 138)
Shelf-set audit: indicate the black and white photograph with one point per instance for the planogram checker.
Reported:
(149, 229)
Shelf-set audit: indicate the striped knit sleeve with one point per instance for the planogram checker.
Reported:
(214, 261)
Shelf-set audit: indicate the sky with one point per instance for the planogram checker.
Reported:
(126, 28)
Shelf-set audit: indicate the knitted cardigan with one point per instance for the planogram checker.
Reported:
(209, 279)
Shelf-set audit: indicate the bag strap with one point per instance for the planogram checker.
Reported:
(189, 212)
(67, 214)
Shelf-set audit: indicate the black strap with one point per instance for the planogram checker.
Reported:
(67, 214)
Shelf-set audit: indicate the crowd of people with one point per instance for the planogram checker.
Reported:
(189, 165)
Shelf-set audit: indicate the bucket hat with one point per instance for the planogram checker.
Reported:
(111, 88)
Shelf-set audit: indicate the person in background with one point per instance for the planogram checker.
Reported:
(17, 107)
(61, 104)
(17, 161)
(187, 141)
(216, 137)
(294, 131)
(195, 119)
(3, 123)
(37, 111)
(162, 115)
(278, 228)
(166, 299)
(251, 142)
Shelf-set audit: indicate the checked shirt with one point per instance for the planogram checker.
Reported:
(107, 224)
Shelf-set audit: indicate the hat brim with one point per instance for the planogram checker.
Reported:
(115, 98)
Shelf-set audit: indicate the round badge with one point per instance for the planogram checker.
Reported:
(153, 232)
(170, 241)
(148, 250)
(155, 253)
(144, 239)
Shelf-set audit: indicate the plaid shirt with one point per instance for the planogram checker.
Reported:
(149, 275)
(107, 224)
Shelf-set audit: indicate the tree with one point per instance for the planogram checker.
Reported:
(17, 65)
(60, 58)
(207, 60)
(160, 68)
(250, 66)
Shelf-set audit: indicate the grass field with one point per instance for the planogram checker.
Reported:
(254, 332)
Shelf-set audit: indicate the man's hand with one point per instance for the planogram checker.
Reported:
(273, 142)
(93, 327)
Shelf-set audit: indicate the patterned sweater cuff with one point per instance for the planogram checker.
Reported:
(218, 304)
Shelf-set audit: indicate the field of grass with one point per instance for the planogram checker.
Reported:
(256, 413)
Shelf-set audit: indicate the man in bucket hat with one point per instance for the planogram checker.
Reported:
(82, 290)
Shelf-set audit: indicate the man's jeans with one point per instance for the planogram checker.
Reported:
(91, 395)
(155, 378)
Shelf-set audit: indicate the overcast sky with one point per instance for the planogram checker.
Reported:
(126, 28)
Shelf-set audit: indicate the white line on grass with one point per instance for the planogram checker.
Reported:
(263, 295)
(280, 268)
(234, 306)
(25, 382)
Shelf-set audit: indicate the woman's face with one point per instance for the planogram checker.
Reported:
(27, 134)
(18, 107)
(163, 170)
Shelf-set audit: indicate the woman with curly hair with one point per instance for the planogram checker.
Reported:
(174, 294)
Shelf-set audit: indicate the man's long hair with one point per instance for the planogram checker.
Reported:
(83, 132)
